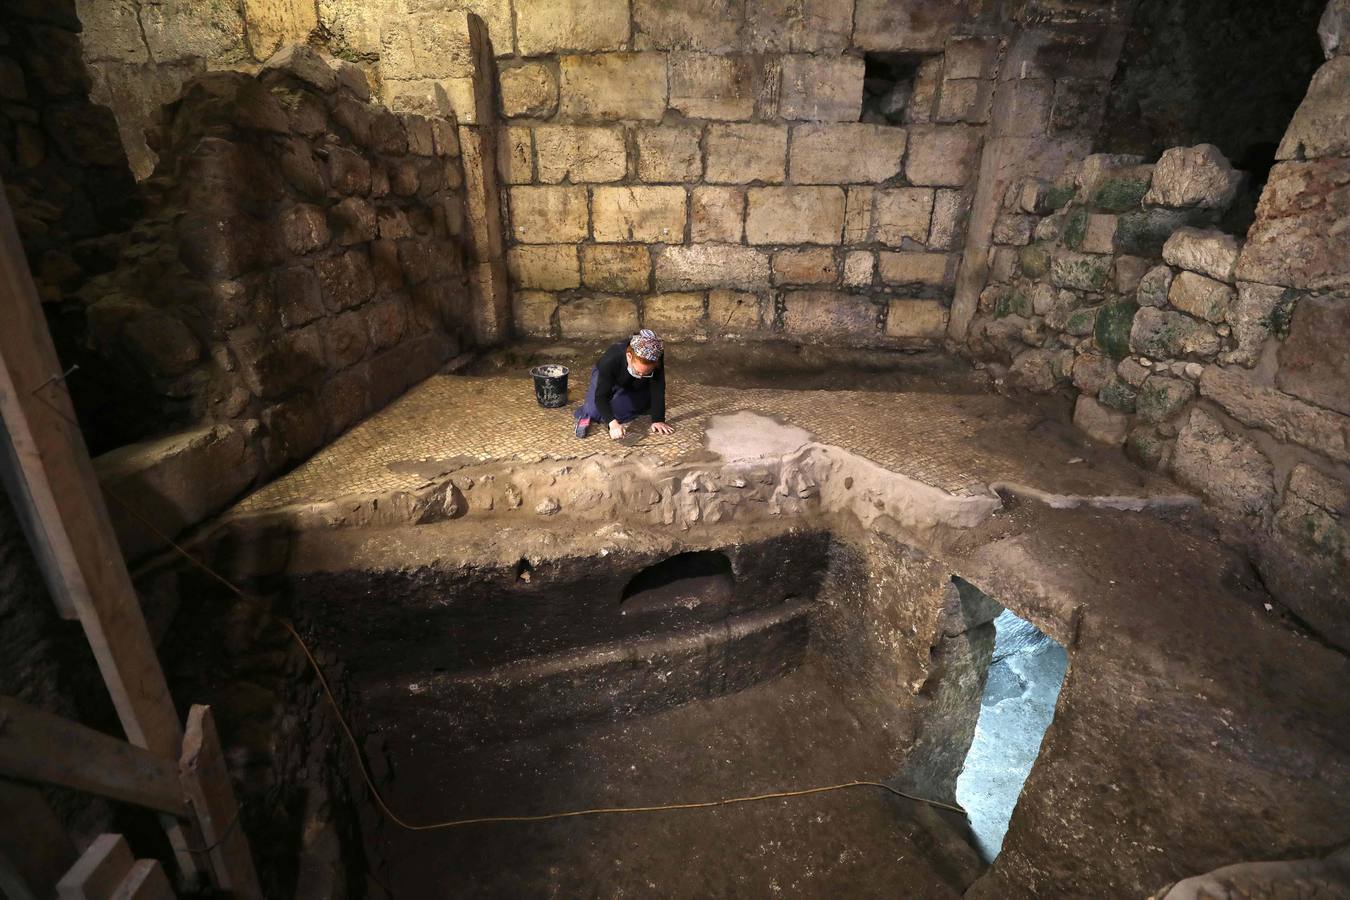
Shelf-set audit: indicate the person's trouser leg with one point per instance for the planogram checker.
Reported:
(588, 408)
(628, 405)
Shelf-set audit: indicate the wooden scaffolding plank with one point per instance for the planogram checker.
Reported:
(99, 870)
(206, 782)
(49, 472)
(84, 561)
(42, 747)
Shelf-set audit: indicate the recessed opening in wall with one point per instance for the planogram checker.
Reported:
(888, 85)
(1018, 703)
(685, 580)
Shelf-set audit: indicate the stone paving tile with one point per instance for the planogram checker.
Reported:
(450, 419)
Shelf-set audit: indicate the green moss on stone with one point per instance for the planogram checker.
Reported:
(1112, 331)
(1035, 260)
(1058, 195)
(1082, 321)
(1119, 194)
(1013, 303)
(1075, 228)
(1116, 393)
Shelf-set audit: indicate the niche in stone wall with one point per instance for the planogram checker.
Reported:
(888, 86)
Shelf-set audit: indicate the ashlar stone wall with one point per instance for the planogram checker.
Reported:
(1218, 359)
(703, 169)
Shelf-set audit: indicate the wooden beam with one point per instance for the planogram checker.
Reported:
(206, 782)
(67, 522)
(99, 870)
(38, 746)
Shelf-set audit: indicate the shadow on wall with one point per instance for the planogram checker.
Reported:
(1225, 72)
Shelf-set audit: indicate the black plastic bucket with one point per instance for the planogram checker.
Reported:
(550, 385)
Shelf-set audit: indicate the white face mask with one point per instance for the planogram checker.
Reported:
(639, 374)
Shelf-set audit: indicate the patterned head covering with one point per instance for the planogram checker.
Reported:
(646, 345)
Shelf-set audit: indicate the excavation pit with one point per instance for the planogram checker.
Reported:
(723, 664)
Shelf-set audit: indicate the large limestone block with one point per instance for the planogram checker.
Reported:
(736, 312)
(548, 215)
(515, 154)
(561, 26)
(916, 319)
(1333, 29)
(821, 88)
(613, 86)
(1250, 317)
(795, 215)
(830, 315)
(1287, 418)
(687, 25)
(190, 475)
(1321, 125)
(529, 90)
(644, 214)
(545, 267)
(717, 214)
(669, 153)
(532, 312)
(675, 315)
(1207, 251)
(942, 155)
(741, 154)
(1315, 357)
(618, 268)
(1100, 422)
(426, 45)
(801, 26)
(598, 316)
(924, 269)
(1079, 271)
(1198, 176)
(918, 25)
(580, 153)
(846, 153)
(354, 25)
(1299, 237)
(1228, 469)
(1201, 297)
(186, 30)
(706, 86)
(815, 265)
(112, 31)
(711, 265)
(858, 215)
(901, 214)
(1163, 334)
(949, 219)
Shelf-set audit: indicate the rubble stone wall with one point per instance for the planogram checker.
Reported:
(1217, 359)
(298, 266)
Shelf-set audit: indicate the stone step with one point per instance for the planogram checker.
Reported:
(605, 681)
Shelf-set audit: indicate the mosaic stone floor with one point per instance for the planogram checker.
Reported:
(939, 439)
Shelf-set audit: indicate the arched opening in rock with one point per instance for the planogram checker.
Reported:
(686, 580)
(1020, 692)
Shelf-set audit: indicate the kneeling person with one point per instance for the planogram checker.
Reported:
(628, 381)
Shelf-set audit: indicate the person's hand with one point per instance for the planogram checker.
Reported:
(663, 428)
(616, 429)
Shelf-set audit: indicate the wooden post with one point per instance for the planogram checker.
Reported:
(42, 747)
(207, 785)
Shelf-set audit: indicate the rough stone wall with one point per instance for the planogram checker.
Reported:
(1219, 361)
(65, 175)
(1182, 55)
(141, 52)
(298, 266)
(707, 170)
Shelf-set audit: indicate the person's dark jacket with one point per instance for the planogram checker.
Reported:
(613, 372)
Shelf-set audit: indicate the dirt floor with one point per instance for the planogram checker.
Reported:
(790, 732)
